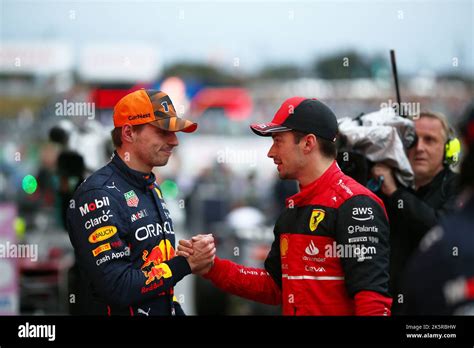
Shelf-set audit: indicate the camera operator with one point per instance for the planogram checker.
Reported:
(412, 213)
(442, 267)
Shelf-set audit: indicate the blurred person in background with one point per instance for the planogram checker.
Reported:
(305, 270)
(412, 213)
(70, 169)
(119, 224)
(440, 277)
(207, 205)
(46, 183)
(281, 190)
(209, 201)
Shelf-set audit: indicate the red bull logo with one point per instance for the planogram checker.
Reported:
(152, 266)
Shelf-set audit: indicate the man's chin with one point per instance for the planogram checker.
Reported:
(284, 176)
(161, 162)
(420, 169)
(421, 172)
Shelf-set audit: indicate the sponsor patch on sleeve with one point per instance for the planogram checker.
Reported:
(101, 249)
(102, 233)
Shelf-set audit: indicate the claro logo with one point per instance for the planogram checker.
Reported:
(102, 233)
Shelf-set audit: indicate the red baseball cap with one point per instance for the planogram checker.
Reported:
(301, 114)
(150, 106)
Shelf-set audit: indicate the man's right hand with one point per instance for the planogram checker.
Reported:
(199, 251)
(389, 185)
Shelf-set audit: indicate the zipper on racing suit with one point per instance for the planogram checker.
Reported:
(156, 196)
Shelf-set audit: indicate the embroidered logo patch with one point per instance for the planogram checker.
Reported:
(316, 217)
(131, 198)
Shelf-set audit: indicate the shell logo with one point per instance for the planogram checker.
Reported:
(284, 241)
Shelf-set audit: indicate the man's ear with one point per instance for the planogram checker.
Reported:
(127, 134)
(309, 143)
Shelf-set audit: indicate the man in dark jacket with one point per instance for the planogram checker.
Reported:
(440, 277)
(118, 221)
(412, 213)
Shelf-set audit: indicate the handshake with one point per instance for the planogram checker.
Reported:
(200, 252)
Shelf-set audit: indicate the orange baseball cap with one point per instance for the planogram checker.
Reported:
(150, 106)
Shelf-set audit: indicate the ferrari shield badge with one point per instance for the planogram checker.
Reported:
(316, 217)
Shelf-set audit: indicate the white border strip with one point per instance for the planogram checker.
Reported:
(311, 277)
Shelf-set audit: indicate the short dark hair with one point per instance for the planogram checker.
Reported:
(117, 134)
(328, 148)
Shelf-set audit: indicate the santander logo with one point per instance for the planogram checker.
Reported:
(311, 249)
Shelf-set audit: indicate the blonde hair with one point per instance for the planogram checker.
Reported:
(448, 132)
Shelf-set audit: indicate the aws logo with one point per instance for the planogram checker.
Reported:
(316, 217)
(362, 213)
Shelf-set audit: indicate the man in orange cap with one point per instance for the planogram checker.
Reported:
(119, 224)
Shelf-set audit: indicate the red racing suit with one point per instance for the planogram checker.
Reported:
(330, 255)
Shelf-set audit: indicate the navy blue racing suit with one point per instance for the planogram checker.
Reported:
(124, 242)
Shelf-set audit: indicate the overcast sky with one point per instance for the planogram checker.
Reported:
(427, 35)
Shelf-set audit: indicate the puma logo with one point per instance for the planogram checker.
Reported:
(113, 186)
(141, 311)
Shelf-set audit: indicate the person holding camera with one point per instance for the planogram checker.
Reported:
(413, 212)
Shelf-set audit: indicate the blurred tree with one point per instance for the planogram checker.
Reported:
(280, 72)
(350, 64)
(207, 74)
(457, 76)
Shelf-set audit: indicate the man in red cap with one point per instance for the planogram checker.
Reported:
(330, 255)
(118, 222)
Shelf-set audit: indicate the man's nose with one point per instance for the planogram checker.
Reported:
(271, 152)
(173, 139)
(420, 145)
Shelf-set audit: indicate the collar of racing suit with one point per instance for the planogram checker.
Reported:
(321, 182)
(133, 177)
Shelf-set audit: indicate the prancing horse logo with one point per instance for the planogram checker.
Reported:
(316, 217)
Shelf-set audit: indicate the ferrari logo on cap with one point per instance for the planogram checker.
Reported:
(316, 217)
